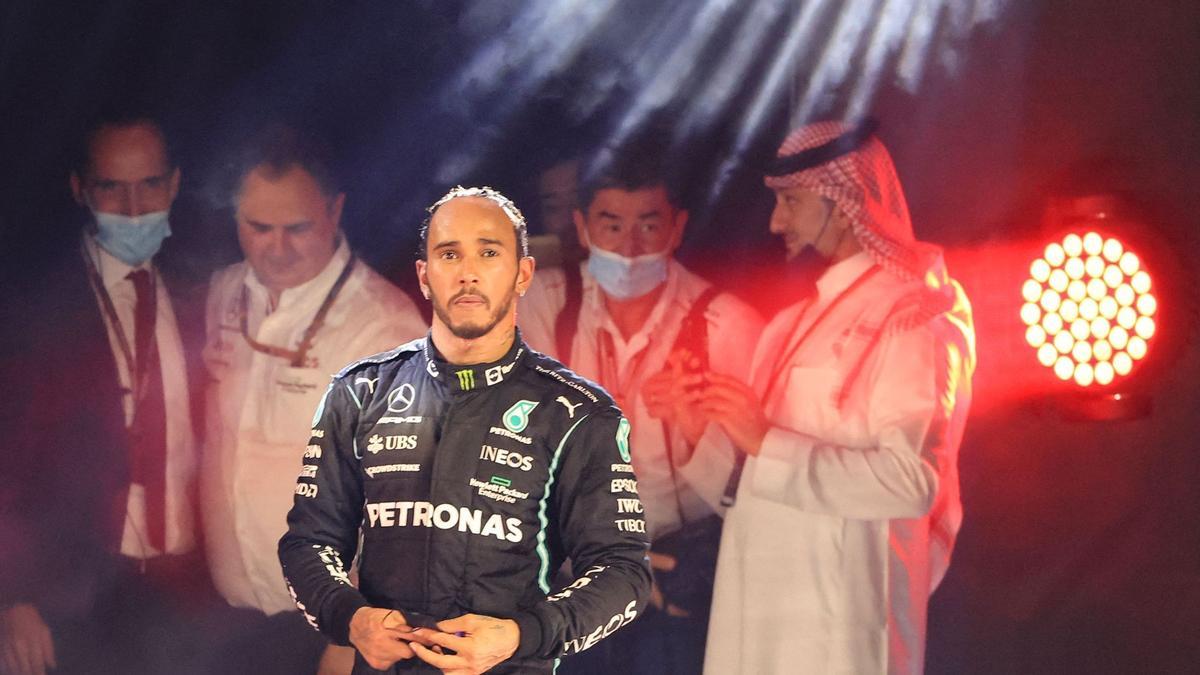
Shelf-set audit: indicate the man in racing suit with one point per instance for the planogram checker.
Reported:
(473, 466)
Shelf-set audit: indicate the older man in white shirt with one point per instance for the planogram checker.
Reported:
(279, 325)
(844, 518)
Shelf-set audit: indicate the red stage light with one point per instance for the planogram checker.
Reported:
(1088, 309)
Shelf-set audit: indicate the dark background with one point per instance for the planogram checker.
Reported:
(1081, 547)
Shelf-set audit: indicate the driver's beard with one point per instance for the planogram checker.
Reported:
(471, 331)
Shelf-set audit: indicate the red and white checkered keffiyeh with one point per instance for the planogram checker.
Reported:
(864, 185)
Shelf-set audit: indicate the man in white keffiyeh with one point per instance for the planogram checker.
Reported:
(839, 459)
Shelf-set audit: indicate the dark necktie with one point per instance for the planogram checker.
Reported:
(149, 430)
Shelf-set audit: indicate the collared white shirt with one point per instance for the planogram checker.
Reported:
(260, 408)
(181, 439)
(845, 520)
(733, 327)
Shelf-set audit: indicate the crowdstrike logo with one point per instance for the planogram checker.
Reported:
(443, 517)
(391, 468)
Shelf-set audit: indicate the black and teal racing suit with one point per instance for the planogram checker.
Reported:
(471, 485)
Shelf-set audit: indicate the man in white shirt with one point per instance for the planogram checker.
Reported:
(845, 514)
(280, 325)
(101, 440)
(630, 313)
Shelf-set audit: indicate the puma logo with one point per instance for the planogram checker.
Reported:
(370, 383)
(567, 404)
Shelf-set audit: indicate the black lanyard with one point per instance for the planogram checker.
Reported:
(780, 366)
(295, 356)
(137, 375)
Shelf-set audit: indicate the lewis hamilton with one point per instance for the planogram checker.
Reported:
(473, 467)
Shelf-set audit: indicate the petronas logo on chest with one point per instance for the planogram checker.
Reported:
(516, 418)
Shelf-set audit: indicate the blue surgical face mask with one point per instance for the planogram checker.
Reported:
(132, 239)
(624, 278)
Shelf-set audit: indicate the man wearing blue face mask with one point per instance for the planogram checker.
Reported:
(632, 315)
(96, 500)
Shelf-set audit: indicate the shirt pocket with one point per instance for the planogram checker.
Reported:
(295, 394)
(807, 404)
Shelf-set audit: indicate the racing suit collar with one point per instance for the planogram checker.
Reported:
(478, 376)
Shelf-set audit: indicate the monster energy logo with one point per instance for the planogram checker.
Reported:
(516, 418)
(466, 379)
(623, 439)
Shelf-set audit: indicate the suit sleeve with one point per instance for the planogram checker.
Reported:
(323, 524)
(601, 525)
(910, 408)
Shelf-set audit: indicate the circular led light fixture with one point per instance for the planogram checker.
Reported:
(1089, 309)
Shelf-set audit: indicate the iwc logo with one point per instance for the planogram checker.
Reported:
(516, 418)
(623, 439)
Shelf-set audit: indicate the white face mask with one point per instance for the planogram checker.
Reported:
(624, 278)
(131, 239)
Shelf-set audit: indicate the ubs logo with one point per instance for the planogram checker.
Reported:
(377, 443)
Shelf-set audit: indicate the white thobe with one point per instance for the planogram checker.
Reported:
(733, 327)
(845, 521)
(181, 440)
(260, 408)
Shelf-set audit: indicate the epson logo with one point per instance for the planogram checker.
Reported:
(443, 517)
(506, 457)
(619, 485)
